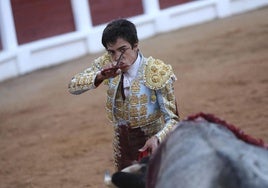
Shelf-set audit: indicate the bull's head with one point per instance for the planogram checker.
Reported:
(130, 177)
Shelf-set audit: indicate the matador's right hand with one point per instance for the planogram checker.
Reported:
(110, 71)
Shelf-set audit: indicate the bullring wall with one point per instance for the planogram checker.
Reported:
(37, 34)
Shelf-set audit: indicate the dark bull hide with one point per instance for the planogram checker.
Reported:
(203, 152)
(130, 177)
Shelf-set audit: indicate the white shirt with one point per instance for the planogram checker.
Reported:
(130, 75)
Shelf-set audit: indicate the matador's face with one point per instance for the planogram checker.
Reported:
(129, 54)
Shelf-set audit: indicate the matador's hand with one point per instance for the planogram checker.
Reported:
(110, 71)
(150, 145)
(105, 73)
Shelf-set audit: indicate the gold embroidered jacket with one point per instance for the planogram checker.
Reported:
(151, 103)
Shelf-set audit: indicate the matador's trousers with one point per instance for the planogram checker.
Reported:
(127, 142)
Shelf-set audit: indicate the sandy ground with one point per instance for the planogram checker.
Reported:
(50, 138)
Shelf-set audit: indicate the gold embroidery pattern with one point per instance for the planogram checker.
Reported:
(136, 111)
(116, 146)
(109, 104)
(109, 114)
(143, 110)
(133, 112)
(110, 92)
(143, 99)
(135, 88)
(143, 120)
(81, 81)
(163, 133)
(120, 111)
(169, 92)
(115, 80)
(103, 60)
(118, 102)
(170, 97)
(134, 100)
(153, 128)
(153, 97)
(157, 74)
(85, 80)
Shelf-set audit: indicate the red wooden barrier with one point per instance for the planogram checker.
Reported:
(168, 3)
(41, 19)
(103, 11)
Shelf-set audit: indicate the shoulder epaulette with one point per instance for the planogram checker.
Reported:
(157, 73)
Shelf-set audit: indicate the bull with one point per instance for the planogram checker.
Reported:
(205, 152)
(133, 176)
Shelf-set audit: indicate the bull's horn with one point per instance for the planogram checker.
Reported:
(108, 180)
(133, 168)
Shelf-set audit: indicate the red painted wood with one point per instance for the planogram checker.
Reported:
(37, 19)
(169, 3)
(103, 11)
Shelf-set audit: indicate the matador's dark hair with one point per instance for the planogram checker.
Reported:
(120, 28)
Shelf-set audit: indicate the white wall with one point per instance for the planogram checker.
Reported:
(17, 59)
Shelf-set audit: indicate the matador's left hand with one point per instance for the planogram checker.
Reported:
(150, 145)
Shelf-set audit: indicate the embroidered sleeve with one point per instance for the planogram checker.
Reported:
(84, 81)
(167, 101)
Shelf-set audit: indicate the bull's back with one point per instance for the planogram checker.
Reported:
(207, 155)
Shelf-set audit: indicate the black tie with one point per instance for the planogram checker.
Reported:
(122, 87)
